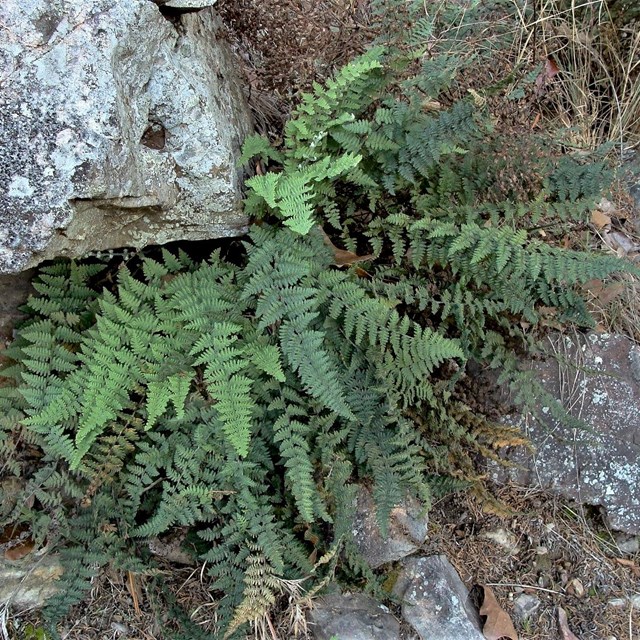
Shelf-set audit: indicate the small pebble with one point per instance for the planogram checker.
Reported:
(629, 545)
(543, 581)
(575, 587)
(617, 602)
(504, 539)
(120, 629)
(525, 606)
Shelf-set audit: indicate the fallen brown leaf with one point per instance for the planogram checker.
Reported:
(565, 632)
(361, 273)
(498, 624)
(342, 257)
(600, 219)
(547, 74)
(20, 550)
(604, 293)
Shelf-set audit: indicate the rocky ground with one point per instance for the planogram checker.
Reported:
(540, 557)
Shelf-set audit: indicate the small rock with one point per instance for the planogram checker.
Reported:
(504, 539)
(27, 584)
(606, 206)
(435, 601)
(525, 605)
(633, 601)
(407, 530)
(617, 602)
(120, 629)
(575, 588)
(352, 617)
(544, 581)
(629, 545)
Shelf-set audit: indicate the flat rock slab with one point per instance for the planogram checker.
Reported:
(408, 526)
(598, 381)
(28, 583)
(435, 601)
(352, 617)
(120, 128)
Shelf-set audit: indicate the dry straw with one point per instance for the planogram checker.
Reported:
(596, 47)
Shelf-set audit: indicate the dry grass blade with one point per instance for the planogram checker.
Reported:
(595, 97)
(133, 590)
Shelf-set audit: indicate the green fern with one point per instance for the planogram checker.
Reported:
(242, 400)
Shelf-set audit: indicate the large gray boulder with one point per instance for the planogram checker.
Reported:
(597, 379)
(119, 128)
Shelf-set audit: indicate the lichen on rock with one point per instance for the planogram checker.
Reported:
(594, 378)
(120, 128)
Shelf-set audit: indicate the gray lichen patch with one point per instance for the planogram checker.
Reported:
(595, 378)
